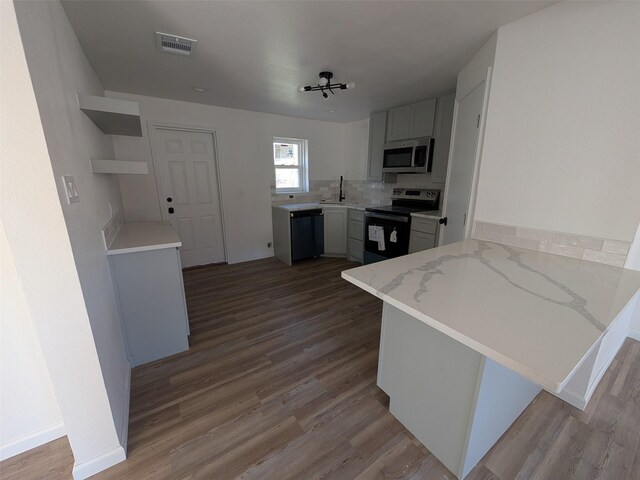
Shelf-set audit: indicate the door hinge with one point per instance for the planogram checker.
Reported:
(478, 124)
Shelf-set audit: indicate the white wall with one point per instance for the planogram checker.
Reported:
(561, 146)
(246, 169)
(56, 247)
(28, 406)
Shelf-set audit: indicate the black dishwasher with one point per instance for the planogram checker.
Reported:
(307, 234)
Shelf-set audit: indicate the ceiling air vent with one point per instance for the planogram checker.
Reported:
(175, 44)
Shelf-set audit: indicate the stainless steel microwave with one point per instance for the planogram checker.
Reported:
(409, 156)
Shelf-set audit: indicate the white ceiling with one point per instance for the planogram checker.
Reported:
(253, 54)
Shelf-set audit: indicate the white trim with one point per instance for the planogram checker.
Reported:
(633, 333)
(478, 156)
(151, 127)
(581, 402)
(572, 399)
(471, 213)
(302, 167)
(32, 440)
(123, 432)
(98, 464)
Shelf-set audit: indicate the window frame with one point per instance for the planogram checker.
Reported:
(302, 167)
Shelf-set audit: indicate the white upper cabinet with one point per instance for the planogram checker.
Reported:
(411, 121)
(398, 120)
(444, 124)
(422, 118)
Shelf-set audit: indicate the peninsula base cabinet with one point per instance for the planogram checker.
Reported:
(335, 231)
(152, 303)
(455, 401)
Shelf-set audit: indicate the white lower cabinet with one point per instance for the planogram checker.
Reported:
(335, 231)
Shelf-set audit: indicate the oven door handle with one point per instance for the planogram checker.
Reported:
(395, 218)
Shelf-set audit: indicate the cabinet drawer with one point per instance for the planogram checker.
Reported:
(356, 230)
(424, 225)
(355, 249)
(419, 241)
(357, 215)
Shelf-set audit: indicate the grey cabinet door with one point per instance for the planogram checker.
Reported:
(419, 241)
(377, 128)
(421, 118)
(356, 247)
(335, 231)
(444, 124)
(398, 122)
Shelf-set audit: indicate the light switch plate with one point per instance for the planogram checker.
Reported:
(70, 189)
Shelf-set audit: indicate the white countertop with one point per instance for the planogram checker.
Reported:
(294, 207)
(435, 214)
(142, 237)
(536, 313)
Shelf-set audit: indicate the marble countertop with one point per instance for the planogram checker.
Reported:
(294, 207)
(432, 214)
(536, 313)
(142, 237)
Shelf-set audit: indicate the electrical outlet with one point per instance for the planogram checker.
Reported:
(70, 189)
(268, 244)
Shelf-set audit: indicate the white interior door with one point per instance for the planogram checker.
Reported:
(185, 163)
(462, 165)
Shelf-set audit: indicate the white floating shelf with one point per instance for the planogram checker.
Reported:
(111, 115)
(126, 167)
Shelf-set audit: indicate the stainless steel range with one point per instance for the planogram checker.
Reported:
(387, 228)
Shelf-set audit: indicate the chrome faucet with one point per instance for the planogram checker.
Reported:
(341, 196)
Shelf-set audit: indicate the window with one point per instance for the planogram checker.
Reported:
(290, 161)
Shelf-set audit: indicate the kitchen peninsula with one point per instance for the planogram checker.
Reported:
(473, 330)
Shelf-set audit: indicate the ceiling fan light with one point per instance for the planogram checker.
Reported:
(351, 85)
(301, 89)
(323, 81)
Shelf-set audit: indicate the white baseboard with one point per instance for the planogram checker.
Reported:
(98, 464)
(32, 440)
(634, 333)
(123, 433)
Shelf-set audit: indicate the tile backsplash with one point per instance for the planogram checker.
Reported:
(356, 191)
(601, 250)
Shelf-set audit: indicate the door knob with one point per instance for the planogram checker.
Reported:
(443, 221)
(171, 210)
(169, 199)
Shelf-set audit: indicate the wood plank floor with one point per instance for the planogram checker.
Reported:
(279, 383)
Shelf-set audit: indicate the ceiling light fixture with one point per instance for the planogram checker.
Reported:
(199, 89)
(324, 85)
